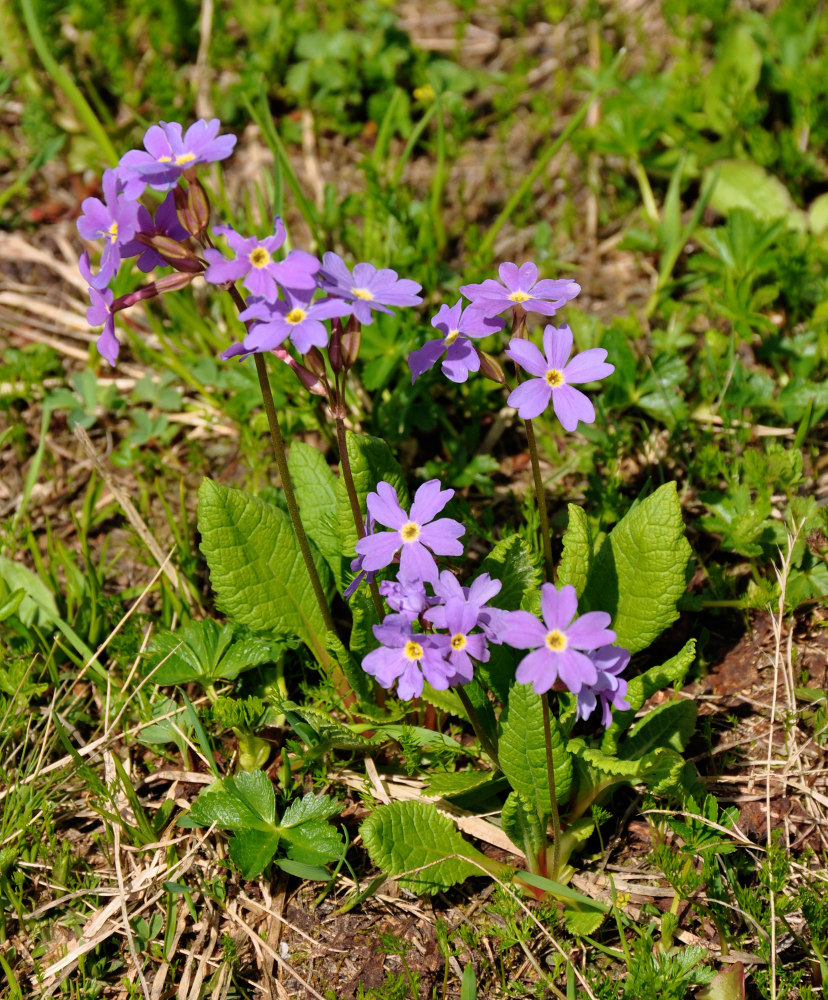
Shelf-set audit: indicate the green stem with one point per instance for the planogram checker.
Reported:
(540, 496)
(553, 797)
(290, 496)
(350, 488)
(65, 83)
(474, 719)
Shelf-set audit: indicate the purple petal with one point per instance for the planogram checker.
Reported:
(523, 631)
(576, 669)
(416, 562)
(461, 359)
(410, 684)
(588, 366)
(425, 357)
(557, 345)
(384, 506)
(591, 631)
(531, 398)
(429, 500)
(570, 406)
(378, 550)
(442, 536)
(559, 606)
(539, 668)
(527, 355)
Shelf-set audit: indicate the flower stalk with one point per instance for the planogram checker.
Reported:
(553, 796)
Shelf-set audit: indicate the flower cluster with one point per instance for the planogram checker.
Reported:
(438, 636)
(283, 303)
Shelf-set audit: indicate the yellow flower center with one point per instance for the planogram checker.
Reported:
(413, 650)
(458, 642)
(520, 296)
(260, 257)
(112, 232)
(184, 158)
(451, 337)
(410, 531)
(295, 316)
(362, 293)
(556, 641)
(554, 378)
(165, 159)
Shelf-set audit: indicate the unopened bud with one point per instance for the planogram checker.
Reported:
(174, 253)
(490, 368)
(169, 283)
(193, 208)
(335, 346)
(351, 341)
(173, 282)
(310, 381)
(315, 362)
(518, 321)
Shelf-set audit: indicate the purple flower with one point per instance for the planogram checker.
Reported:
(254, 262)
(553, 377)
(168, 154)
(477, 596)
(297, 317)
(367, 288)
(356, 565)
(100, 313)
(519, 286)
(609, 688)
(557, 642)
(461, 357)
(459, 647)
(113, 220)
(415, 533)
(406, 597)
(165, 223)
(407, 658)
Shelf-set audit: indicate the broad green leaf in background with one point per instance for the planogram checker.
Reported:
(577, 550)
(639, 573)
(256, 568)
(640, 688)
(38, 606)
(207, 652)
(449, 783)
(520, 822)
(522, 750)
(660, 769)
(315, 487)
(667, 725)
(404, 836)
(733, 79)
(511, 562)
(371, 461)
(744, 184)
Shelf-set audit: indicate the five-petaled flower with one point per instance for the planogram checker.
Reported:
(407, 657)
(459, 646)
(477, 596)
(461, 358)
(368, 289)
(165, 223)
(112, 220)
(558, 642)
(415, 535)
(254, 261)
(169, 153)
(554, 375)
(296, 317)
(519, 286)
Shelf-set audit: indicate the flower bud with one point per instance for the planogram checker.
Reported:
(351, 341)
(310, 381)
(193, 208)
(335, 346)
(315, 362)
(174, 253)
(490, 368)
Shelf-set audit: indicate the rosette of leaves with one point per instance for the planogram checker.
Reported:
(301, 842)
(245, 717)
(206, 652)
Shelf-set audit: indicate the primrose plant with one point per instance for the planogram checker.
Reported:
(535, 658)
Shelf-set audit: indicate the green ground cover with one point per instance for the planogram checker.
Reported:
(681, 182)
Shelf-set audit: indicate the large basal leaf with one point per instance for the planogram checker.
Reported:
(640, 688)
(522, 750)
(315, 488)
(746, 185)
(406, 835)
(660, 769)
(38, 605)
(639, 573)
(667, 725)
(510, 561)
(576, 560)
(371, 461)
(521, 825)
(256, 567)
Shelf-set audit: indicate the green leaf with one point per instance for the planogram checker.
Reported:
(510, 561)
(445, 701)
(256, 567)
(733, 79)
(406, 835)
(667, 725)
(38, 606)
(640, 688)
(314, 842)
(312, 873)
(576, 560)
(818, 214)
(206, 652)
(520, 822)
(661, 769)
(581, 922)
(744, 184)
(522, 750)
(449, 783)
(371, 461)
(217, 804)
(315, 488)
(639, 573)
(253, 850)
(311, 807)
(729, 984)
